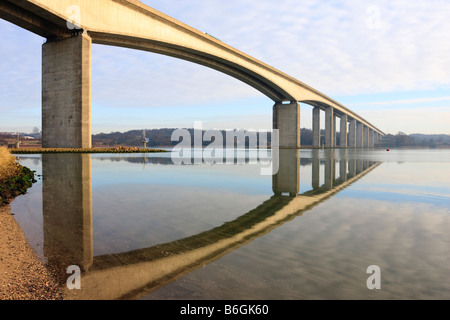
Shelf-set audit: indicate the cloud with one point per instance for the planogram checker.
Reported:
(429, 120)
(329, 45)
(398, 102)
(341, 48)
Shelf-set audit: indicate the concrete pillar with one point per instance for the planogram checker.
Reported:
(343, 131)
(329, 126)
(66, 93)
(352, 133)
(286, 118)
(366, 136)
(67, 210)
(334, 130)
(287, 179)
(371, 138)
(359, 135)
(316, 127)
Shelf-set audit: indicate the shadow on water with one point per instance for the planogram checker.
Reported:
(68, 223)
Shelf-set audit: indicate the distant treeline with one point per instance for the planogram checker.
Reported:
(415, 140)
(163, 138)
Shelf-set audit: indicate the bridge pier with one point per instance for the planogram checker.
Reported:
(366, 136)
(371, 138)
(66, 93)
(330, 132)
(316, 127)
(352, 134)
(359, 135)
(343, 131)
(286, 118)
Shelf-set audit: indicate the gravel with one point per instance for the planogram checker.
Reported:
(23, 276)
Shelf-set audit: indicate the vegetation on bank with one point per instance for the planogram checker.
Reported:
(119, 149)
(15, 179)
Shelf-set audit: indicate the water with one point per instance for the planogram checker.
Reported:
(141, 227)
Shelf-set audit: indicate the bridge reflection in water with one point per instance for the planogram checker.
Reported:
(68, 227)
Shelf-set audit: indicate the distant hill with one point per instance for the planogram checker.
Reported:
(416, 140)
(163, 138)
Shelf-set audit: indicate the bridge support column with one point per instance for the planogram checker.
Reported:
(66, 93)
(371, 138)
(316, 127)
(343, 131)
(366, 136)
(359, 135)
(352, 133)
(329, 128)
(286, 118)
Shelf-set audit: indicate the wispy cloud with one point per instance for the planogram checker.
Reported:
(331, 46)
(401, 102)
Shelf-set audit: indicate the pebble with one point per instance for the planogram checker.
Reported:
(24, 276)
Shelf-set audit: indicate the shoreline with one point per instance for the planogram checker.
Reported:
(84, 150)
(23, 276)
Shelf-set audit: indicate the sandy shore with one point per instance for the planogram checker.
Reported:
(22, 275)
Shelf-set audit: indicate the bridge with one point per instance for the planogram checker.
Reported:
(68, 223)
(72, 26)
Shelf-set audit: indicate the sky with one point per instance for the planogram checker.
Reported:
(388, 61)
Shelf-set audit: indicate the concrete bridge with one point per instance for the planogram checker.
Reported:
(72, 26)
(68, 228)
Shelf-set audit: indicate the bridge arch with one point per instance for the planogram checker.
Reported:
(131, 24)
(253, 79)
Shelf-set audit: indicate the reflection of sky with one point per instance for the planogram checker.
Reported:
(142, 216)
(324, 254)
(398, 196)
(244, 179)
(397, 216)
(424, 182)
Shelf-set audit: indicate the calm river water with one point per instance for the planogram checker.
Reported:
(141, 227)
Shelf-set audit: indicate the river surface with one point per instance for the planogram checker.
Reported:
(340, 224)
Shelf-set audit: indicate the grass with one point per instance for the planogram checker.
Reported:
(8, 167)
(15, 179)
(118, 149)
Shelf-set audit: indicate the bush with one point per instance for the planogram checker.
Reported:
(14, 178)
